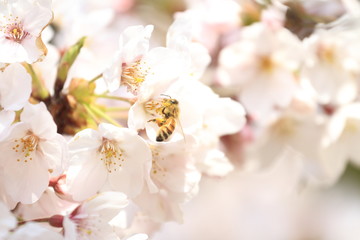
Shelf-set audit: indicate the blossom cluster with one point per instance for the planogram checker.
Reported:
(74, 158)
(111, 124)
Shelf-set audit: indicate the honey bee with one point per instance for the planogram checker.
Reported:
(168, 110)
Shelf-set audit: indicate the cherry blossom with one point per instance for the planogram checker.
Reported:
(144, 72)
(91, 219)
(21, 25)
(112, 156)
(118, 117)
(340, 141)
(251, 68)
(176, 178)
(32, 151)
(332, 67)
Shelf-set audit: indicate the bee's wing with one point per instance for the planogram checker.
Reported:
(181, 128)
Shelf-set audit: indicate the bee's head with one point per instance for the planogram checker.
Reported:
(174, 101)
(170, 101)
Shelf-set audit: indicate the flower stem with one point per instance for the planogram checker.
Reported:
(116, 109)
(129, 100)
(91, 113)
(21, 222)
(37, 83)
(95, 78)
(100, 113)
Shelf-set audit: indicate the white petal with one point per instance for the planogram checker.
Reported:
(159, 207)
(15, 87)
(36, 19)
(7, 221)
(215, 164)
(225, 116)
(6, 118)
(139, 236)
(25, 181)
(41, 122)
(85, 140)
(12, 52)
(35, 49)
(129, 181)
(112, 74)
(134, 42)
(34, 231)
(70, 232)
(86, 175)
(137, 116)
(130, 177)
(106, 204)
(165, 65)
(55, 153)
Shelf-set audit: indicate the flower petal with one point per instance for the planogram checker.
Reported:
(86, 175)
(25, 181)
(15, 87)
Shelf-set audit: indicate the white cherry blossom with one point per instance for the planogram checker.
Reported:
(112, 156)
(340, 141)
(176, 178)
(302, 131)
(21, 24)
(91, 219)
(332, 66)
(181, 37)
(204, 109)
(31, 152)
(127, 68)
(252, 69)
(144, 72)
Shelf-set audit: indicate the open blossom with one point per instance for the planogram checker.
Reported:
(91, 219)
(127, 68)
(227, 117)
(252, 68)
(114, 157)
(332, 65)
(21, 24)
(340, 141)
(142, 71)
(301, 129)
(176, 180)
(181, 37)
(31, 151)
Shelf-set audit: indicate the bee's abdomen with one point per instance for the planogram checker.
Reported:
(166, 130)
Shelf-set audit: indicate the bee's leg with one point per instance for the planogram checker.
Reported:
(158, 121)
